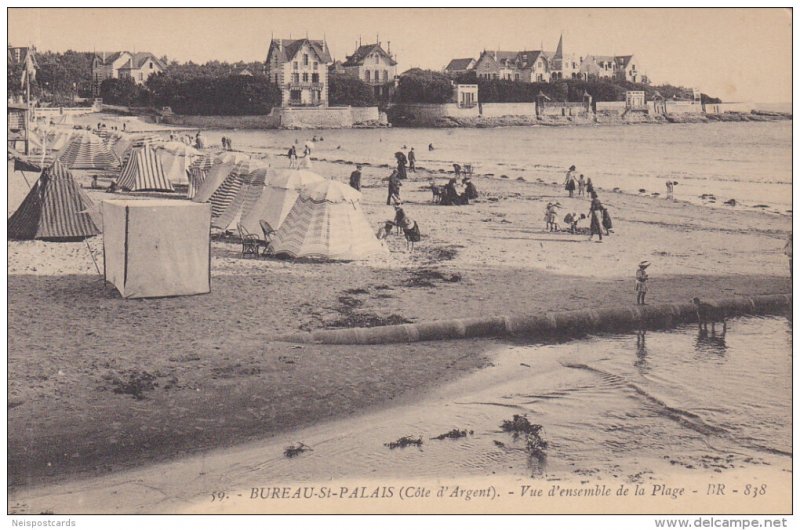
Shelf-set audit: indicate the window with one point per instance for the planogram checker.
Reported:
(386, 75)
(366, 75)
(295, 78)
(305, 59)
(315, 78)
(305, 77)
(294, 65)
(377, 59)
(495, 76)
(315, 65)
(516, 77)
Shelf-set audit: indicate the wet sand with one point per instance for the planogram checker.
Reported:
(198, 373)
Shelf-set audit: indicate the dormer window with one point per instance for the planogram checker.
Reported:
(295, 66)
(305, 59)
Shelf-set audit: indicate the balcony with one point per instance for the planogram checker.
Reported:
(299, 85)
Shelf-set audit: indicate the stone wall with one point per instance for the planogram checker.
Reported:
(495, 110)
(564, 110)
(314, 118)
(287, 118)
(683, 107)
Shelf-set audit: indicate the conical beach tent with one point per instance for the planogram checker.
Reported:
(221, 167)
(55, 208)
(143, 172)
(276, 202)
(327, 222)
(198, 170)
(251, 188)
(176, 158)
(88, 151)
(227, 197)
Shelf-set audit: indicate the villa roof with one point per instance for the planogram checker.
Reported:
(288, 48)
(362, 52)
(459, 64)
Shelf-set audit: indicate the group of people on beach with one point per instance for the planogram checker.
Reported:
(294, 163)
(599, 216)
(227, 144)
(583, 185)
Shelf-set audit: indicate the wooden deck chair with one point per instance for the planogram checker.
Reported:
(250, 242)
(269, 232)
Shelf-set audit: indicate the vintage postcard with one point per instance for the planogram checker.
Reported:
(399, 261)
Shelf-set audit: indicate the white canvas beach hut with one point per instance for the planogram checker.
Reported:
(279, 196)
(327, 222)
(155, 248)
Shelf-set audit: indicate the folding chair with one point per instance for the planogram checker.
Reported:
(269, 232)
(250, 242)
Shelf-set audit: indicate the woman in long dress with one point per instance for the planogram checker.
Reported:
(596, 218)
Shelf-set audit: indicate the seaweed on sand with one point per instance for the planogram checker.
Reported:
(453, 435)
(295, 450)
(425, 278)
(405, 441)
(133, 383)
(520, 426)
(366, 320)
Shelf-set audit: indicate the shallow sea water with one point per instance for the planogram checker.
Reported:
(610, 406)
(748, 162)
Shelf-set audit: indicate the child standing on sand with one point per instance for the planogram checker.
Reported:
(641, 282)
(581, 185)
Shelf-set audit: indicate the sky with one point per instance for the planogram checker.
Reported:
(734, 54)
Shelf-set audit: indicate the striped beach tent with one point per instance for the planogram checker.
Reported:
(88, 151)
(198, 170)
(221, 166)
(251, 187)
(327, 222)
(124, 143)
(282, 190)
(56, 208)
(143, 172)
(228, 197)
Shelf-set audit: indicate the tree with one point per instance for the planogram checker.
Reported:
(424, 86)
(122, 91)
(348, 90)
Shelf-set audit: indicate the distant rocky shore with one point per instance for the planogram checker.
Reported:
(599, 119)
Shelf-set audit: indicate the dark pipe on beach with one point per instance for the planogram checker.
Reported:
(562, 324)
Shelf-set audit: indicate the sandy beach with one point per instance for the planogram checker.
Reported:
(98, 384)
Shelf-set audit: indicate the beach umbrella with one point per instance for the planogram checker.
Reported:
(327, 222)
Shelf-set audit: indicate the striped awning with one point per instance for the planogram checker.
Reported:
(144, 172)
(55, 208)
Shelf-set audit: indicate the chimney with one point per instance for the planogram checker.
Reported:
(389, 48)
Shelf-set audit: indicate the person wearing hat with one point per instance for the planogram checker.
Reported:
(355, 178)
(641, 282)
(569, 182)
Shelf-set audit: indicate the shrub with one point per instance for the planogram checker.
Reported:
(348, 90)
